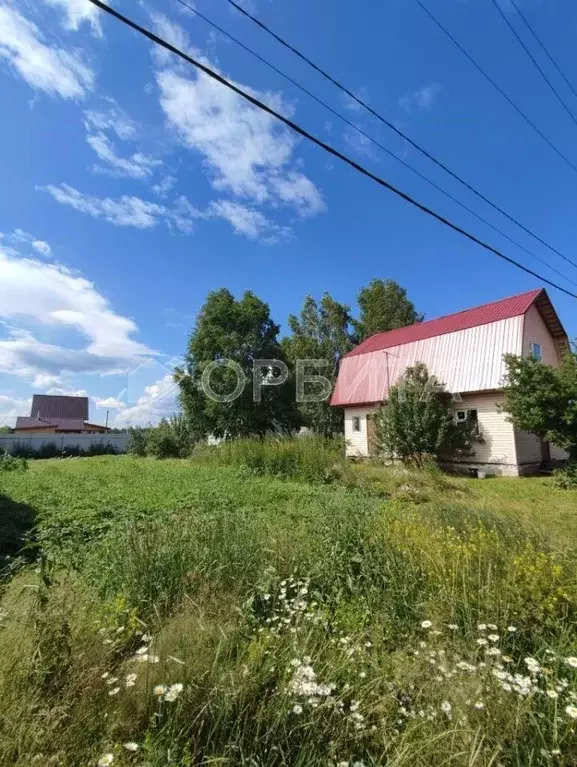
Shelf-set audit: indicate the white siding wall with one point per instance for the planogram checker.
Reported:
(357, 443)
(497, 453)
(535, 331)
(498, 450)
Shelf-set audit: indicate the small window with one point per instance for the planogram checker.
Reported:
(356, 423)
(461, 416)
(535, 351)
(472, 416)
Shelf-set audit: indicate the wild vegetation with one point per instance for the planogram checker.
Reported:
(227, 610)
(417, 422)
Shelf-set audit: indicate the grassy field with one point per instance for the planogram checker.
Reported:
(193, 613)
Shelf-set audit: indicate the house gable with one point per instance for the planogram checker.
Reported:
(464, 351)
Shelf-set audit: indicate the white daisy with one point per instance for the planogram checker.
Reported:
(114, 691)
(173, 692)
(571, 711)
(297, 709)
(572, 661)
(426, 624)
(131, 746)
(105, 760)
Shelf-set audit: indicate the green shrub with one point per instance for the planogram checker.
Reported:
(137, 441)
(12, 463)
(170, 439)
(566, 479)
(416, 424)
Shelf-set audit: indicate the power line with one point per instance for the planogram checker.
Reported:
(534, 60)
(543, 47)
(487, 77)
(331, 150)
(370, 138)
(394, 128)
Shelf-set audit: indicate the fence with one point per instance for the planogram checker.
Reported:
(62, 441)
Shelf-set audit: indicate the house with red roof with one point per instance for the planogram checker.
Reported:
(464, 351)
(57, 414)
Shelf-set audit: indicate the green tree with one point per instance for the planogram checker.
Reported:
(543, 399)
(417, 423)
(383, 306)
(322, 331)
(239, 332)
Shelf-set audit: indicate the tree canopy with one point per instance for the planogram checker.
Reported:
(228, 336)
(543, 399)
(322, 331)
(383, 306)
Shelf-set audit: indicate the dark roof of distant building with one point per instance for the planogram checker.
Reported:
(59, 406)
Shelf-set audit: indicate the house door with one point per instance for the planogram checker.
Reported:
(370, 434)
(545, 450)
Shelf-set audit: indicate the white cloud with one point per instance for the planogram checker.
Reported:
(109, 403)
(246, 221)
(164, 187)
(138, 165)
(63, 392)
(423, 98)
(53, 70)
(245, 150)
(359, 144)
(78, 11)
(19, 237)
(11, 407)
(52, 296)
(42, 247)
(349, 103)
(113, 119)
(159, 400)
(126, 211)
(171, 32)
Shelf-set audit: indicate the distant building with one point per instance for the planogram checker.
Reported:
(57, 414)
(465, 352)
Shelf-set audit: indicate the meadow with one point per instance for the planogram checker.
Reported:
(242, 609)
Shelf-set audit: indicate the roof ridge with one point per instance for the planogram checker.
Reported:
(460, 311)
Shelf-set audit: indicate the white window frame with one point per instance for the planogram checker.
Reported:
(461, 416)
(532, 347)
(357, 424)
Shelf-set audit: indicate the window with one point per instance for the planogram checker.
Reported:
(463, 416)
(356, 423)
(535, 351)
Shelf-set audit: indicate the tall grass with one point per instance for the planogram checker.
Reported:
(314, 459)
(307, 624)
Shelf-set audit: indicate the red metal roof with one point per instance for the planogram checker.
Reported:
(469, 318)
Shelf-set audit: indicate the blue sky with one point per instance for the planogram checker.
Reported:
(132, 186)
